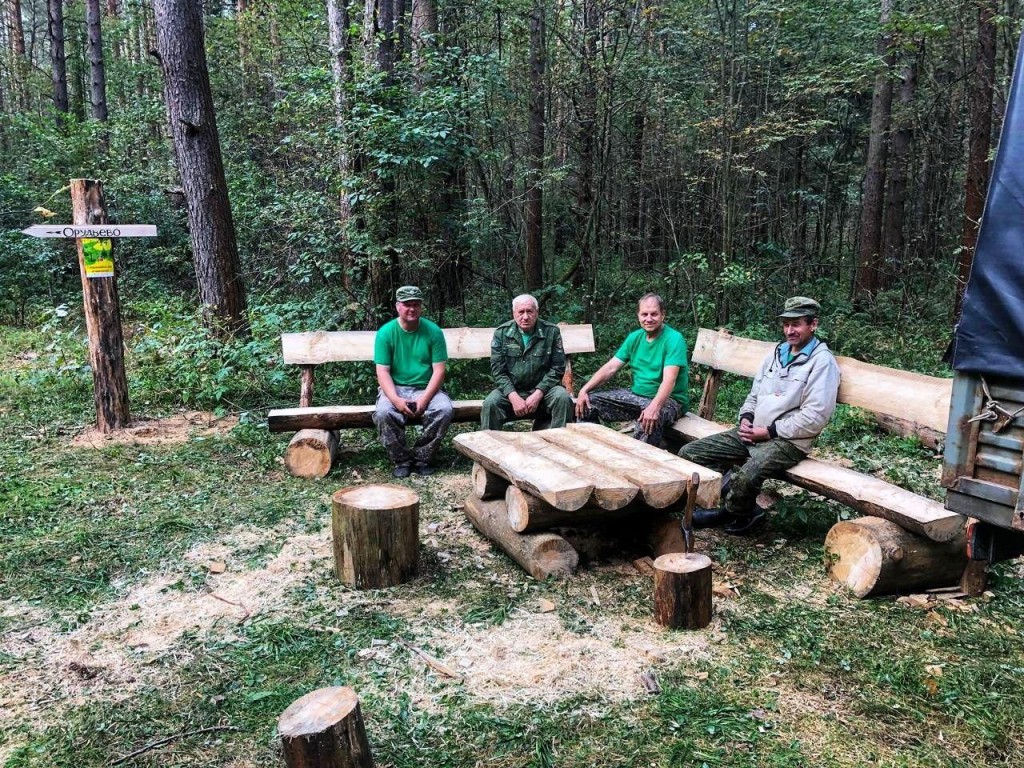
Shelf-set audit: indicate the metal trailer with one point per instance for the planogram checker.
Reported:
(983, 466)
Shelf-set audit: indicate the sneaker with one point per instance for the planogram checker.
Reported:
(402, 470)
(743, 526)
(424, 470)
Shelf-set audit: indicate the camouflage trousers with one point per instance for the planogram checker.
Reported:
(555, 410)
(756, 463)
(391, 424)
(623, 405)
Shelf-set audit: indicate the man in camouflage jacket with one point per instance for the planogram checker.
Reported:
(527, 364)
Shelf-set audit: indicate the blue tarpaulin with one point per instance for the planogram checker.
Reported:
(990, 336)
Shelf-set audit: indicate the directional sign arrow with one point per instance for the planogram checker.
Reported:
(75, 231)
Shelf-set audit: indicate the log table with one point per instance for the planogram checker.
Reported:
(526, 483)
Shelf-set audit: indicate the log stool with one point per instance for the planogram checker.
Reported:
(682, 590)
(376, 535)
(324, 729)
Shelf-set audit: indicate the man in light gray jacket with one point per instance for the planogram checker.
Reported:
(790, 402)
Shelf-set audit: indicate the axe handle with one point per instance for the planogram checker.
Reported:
(691, 499)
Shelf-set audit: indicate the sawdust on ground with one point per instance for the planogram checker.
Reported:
(173, 430)
(135, 641)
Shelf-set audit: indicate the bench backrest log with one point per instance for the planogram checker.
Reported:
(313, 348)
(316, 347)
(914, 397)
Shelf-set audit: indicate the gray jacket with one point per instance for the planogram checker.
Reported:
(794, 401)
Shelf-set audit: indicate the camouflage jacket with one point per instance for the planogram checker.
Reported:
(538, 366)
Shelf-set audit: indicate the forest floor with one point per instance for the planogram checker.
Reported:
(169, 592)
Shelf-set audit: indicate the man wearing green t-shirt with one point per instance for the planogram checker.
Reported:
(658, 357)
(410, 354)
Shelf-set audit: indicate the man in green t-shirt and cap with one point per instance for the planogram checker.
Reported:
(657, 355)
(791, 400)
(410, 354)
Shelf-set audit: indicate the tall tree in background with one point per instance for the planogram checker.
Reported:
(976, 182)
(179, 34)
(893, 238)
(58, 61)
(97, 77)
(340, 41)
(533, 271)
(867, 279)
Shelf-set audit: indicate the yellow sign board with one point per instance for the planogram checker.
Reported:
(98, 256)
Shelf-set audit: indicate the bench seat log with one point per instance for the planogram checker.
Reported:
(350, 416)
(865, 493)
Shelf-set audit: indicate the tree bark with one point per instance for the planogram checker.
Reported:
(534, 209)
(976, 183)
(376, 535)
(179, 27)
(324, 729)
(58, 61)
(873, 556)
(97, 77)
(867, 279)
(682, 591)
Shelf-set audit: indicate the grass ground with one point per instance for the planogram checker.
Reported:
(118, 635)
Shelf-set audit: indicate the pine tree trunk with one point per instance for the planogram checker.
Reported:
(58, 62)
(534, 213)
(980, 140)
(179, 28)
(97, 78)
(899, 159)
(870, 253)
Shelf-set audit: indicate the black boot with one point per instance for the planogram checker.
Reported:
(711, 518)
(744, 526)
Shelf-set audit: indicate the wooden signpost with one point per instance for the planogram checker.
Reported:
(93, 234)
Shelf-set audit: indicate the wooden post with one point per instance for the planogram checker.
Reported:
(102, 317)
(306, 390)
(324, 729)
(487, 485)
(682, 591)
(311, 453)
(376, 535)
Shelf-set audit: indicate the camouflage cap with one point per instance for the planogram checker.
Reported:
(800, 306)
(409, 293)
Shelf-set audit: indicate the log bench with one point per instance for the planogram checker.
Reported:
(911, 401)
(313, 449)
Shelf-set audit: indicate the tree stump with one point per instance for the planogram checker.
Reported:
(682, 591)
(487, 485)
(324, 729)
(873, 556)
(376, 535)
(311, 453)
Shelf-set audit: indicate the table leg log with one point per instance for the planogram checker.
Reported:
(311, 453)
(324, 729)
(528, 513)
(376, 535)
(682, 591)
(540, 554)
(873, 556)
(487, 485)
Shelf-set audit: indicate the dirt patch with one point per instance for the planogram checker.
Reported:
(170, 431)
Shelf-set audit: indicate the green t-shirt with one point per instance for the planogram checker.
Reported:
(648, 361)
(410, 354)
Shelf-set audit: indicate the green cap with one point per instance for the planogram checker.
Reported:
(800, 306)
(409, 293)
